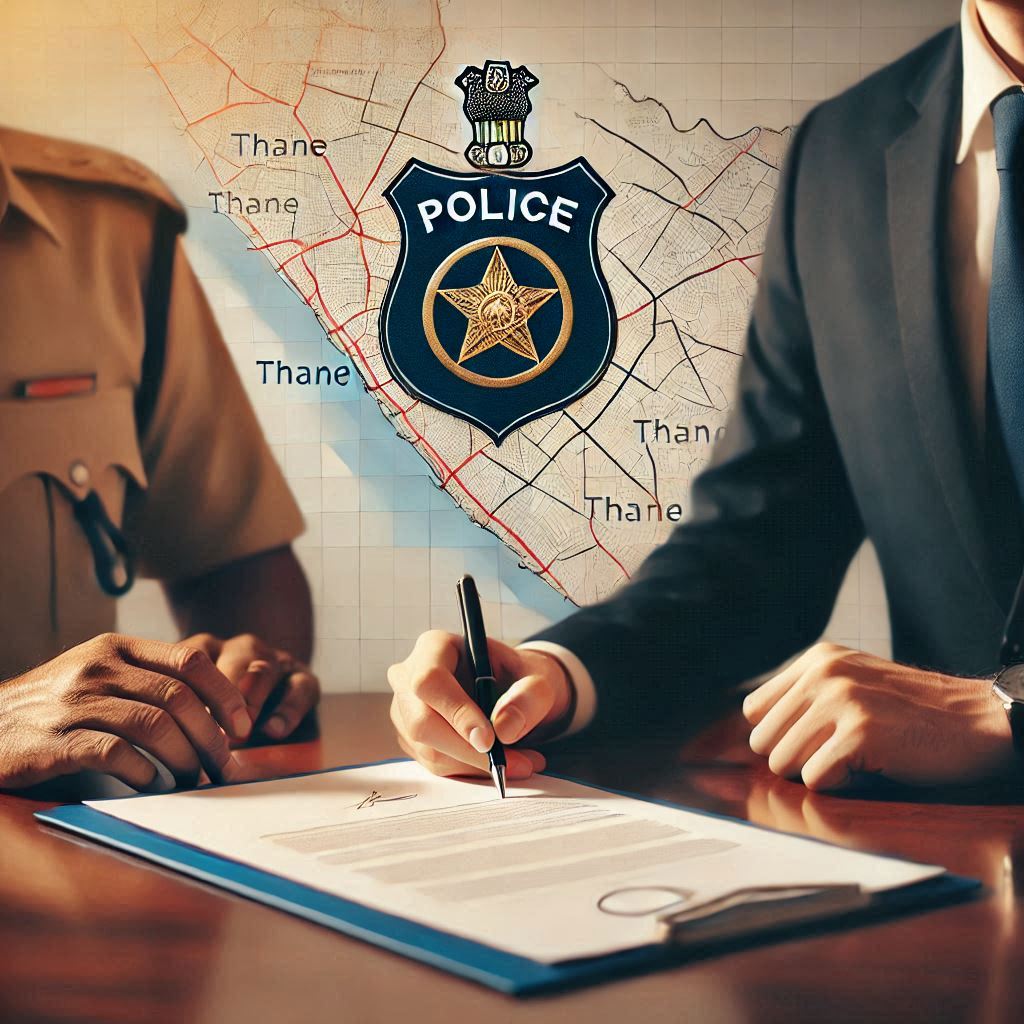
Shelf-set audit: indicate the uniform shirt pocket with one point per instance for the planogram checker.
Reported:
(54, 452)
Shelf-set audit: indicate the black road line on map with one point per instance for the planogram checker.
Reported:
(548, 460)
(696, 372)
(717, 348)
(661, 383)
(654, 244)
(760, 160)
(544, 436)
(654, 470)
(639, 149)
(618, 465)
(547, 494)
(680, 206)
(434, 88)
(636, 377)
(339, 219)
(369, 95)
(743, 209)
(409, 135)
(576, 554)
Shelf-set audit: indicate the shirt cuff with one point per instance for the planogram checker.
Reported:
(586, 693)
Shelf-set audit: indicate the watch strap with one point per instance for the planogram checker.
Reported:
(1015, 713)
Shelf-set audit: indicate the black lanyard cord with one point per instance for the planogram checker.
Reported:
(112, 556)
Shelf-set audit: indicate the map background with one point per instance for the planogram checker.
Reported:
(383, 545)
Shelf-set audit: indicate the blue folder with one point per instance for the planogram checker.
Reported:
(476, 961)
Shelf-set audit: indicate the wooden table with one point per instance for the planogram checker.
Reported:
(89, 934)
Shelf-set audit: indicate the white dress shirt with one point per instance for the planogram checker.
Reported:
(974, 202)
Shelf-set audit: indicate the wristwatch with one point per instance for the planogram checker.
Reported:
(1008, 686)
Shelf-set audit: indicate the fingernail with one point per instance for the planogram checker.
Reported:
(508, 724)
(479, 740)
(519, 767)
(274, 726)
(254, 669)
(241, 724)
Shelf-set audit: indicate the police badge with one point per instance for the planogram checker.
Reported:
(498, 311)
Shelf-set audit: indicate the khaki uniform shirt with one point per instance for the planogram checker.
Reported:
(198, 489)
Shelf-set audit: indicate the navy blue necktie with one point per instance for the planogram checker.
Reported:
(1006, 299)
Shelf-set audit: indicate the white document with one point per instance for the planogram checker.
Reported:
(555, 872)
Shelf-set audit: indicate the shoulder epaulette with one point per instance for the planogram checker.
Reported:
(40, 155)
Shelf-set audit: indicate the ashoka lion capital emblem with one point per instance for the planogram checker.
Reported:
(497, 103)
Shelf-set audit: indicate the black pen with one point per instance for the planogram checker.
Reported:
(485, 686)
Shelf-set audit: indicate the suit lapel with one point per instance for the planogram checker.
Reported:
(919, 163)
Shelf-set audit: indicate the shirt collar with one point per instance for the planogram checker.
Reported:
(14, 192)
(985, 77)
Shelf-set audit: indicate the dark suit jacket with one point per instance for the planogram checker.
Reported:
(850, 421)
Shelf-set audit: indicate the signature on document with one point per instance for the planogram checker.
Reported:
(379, 798)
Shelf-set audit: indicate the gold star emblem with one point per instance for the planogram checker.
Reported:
(498, 310)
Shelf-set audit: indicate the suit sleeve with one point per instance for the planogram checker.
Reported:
(752, 576)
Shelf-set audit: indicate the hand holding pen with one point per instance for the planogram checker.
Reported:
(440, 725)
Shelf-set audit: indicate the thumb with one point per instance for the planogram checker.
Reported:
(522, 707)
(210, 645)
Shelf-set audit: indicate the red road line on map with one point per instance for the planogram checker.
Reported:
(271, 245)
(633, 312)
(336, 238)
(316, 245)
(234, 74)
(700, 273)
(159, 74)
(605, 550)
(462, 465)
(174, 99)
(362, 356)
(544, 570)
(225, 108)
(742, 152)
(725, 263)
(354, 316)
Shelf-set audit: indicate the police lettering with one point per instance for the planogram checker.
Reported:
(531, 205)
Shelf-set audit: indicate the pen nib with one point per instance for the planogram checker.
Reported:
(498, 774)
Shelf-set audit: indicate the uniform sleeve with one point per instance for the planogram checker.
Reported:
(215, 493)
(752, 577)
